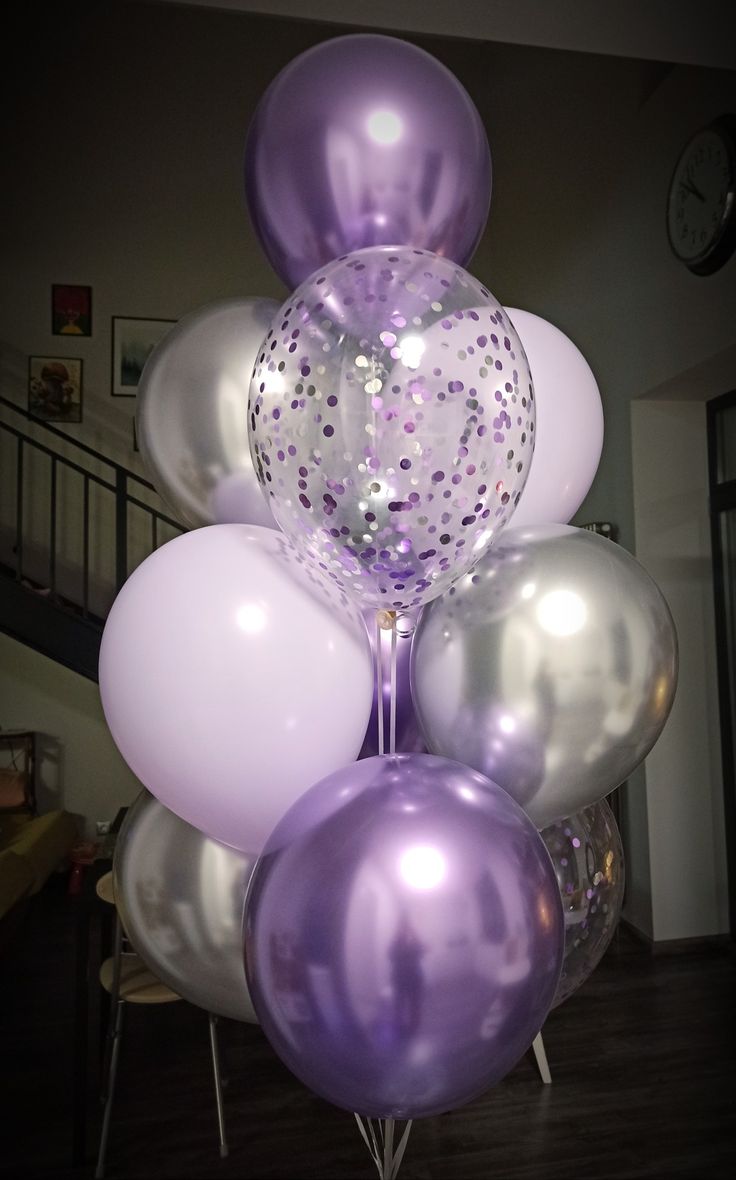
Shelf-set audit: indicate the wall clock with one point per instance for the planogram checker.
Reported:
(701, 208)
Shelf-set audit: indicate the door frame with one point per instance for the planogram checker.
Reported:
(722, 498)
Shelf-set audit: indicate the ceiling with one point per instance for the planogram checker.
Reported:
(688, 32)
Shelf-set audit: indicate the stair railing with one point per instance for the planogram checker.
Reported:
(111, 491)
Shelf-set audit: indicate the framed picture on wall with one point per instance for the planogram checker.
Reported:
(55, 388)
(71, 310)
(133, 340)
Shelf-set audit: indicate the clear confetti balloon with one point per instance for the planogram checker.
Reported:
(392, 422)
(588, 858)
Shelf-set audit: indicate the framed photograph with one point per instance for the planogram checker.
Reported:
(55, 388)
(133, 339)
(71, 310)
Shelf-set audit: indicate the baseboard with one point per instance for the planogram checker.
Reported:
(702, 944)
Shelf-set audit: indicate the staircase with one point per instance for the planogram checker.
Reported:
(73, 525)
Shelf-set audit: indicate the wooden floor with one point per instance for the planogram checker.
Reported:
(642, 1059)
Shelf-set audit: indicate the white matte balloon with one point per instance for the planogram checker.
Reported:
(569, 427)
(192, 416)
(232, 681)
(181, 896)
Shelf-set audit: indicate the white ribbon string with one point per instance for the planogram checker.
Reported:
(379, 686)
(392, 709)
(387, 1160)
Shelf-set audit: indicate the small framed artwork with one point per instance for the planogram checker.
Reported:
(133, 340)
(71, 310)
(603, 528)
(55, 388)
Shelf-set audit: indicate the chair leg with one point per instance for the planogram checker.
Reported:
(110, 1089)
(541, 1059)
(218, 1084)
(112, 1020)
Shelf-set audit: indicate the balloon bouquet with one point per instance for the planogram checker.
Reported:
(359, 453)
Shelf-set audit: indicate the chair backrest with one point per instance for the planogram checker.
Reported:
(104, 888)
(125, 974)
(17, 772)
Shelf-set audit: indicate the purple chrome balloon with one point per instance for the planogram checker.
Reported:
(404, 936)
(365, 140)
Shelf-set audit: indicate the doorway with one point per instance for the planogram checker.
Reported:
(721, 431)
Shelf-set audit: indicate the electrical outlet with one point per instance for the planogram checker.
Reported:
(103, 827)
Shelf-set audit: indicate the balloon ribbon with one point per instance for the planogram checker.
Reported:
(386, 1159)
(386, 621)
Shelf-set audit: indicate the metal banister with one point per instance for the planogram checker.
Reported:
(68, 438)
(123, 486)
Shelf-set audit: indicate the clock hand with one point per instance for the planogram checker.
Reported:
(689, 187)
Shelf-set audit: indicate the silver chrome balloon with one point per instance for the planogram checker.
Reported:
(589, 864)
(192, 420)
(551, 668)
(181, 896)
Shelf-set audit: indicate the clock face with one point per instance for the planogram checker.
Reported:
(702, 202)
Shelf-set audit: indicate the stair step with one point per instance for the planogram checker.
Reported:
(50, 625)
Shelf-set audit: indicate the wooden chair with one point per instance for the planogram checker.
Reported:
(127, 979)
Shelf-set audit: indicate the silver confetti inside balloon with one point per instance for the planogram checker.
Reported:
(551, 668)
(181, 896)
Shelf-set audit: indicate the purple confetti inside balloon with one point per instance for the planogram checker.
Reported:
(404, 936)
(365, 140)
(408, 473)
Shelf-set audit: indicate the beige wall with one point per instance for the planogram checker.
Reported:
(79, 768)
(128, 177)
(679, 813)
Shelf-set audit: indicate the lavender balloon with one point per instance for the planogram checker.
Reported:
(365, 140)
(569, 430)
(403, 936)
(232, 680)
(588, 857)
(392, 422)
